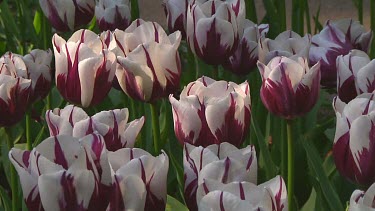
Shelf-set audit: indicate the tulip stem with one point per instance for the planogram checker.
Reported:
(28, 131)
(13, 175)
(290, 187)
(155, 127)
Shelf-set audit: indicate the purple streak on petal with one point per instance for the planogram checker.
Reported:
(236, 7)
(347, 91)
(70, 200)
(54, 19)
(116, 202)
(25, 158)
(368, 105)
(156, 33)
(102, 84)
(59, 155)
(82, 15)
(242, 192)
(227, 163)
(132, 87)
(157, 90)
(34, 203)
(221, 202)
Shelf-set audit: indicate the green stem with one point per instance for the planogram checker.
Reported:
(197, 70)
(155, 127)
(251, 12)
(215, 72)
(307, 13)
(284, 152)
(282, 14)
(28, 131)
(290, 186)
(360, 11)
(134, 9)
(13, 174)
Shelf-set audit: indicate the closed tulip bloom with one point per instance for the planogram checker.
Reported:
(113, 14)
(211, 112)
(15, 93)
(361, 200)
(84, 68)
(224, 163)
(140, 180)
(176, 15)
(243, 196)
(151, 69)
(245, 57)
(354, 141)
(349, 68)
(337, 38)
(212, 30)
(288, 44)
(289, 88)
(67, 15)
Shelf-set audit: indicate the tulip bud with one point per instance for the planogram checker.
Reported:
(67, 15)
(144, 175)
(354, 139)
(113, 14)
(243, 196)
(212, 30)
(361, 200)
(15, 92)
(349, 67)
(224, 163)
(289, 88)
(244, 58)
(288, 44)
(212, 112)
(151, 69)
(84, 68)
(337, 38)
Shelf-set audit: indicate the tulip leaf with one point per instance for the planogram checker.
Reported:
(5, 201)
(37, 22)
(316, 165)
(174, 204)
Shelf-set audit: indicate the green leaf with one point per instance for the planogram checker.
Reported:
(37, 22)
(173, 204)
(316, 165)
(5, 201)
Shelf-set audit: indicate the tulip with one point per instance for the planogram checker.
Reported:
(289, 88)
(63, 173)
(212, 112)
(354, 140)
(84, 68)
(67, 15)
(212, 30)
(224, 163)
(337, 38)
(243, 196)
(176, 15)
(140, 180)
(244, 59)
(349, 68)
(288, 44)
(113, 14)
(15, 93)
(361, 200)
(112, 125)
(151, 69)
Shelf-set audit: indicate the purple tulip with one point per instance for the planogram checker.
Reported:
(15, 91)
(212, 112)
(337, 38)
(224, 163)
(113, 14)
(350, 68)
(140, 180)
(288, 44)
(244, 58)
(354, 140)
(84, 68)
(361, 200)
(289, 88)
(243, 196)
(151, 69)
(67, 15)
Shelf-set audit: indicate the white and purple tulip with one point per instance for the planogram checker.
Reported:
(337, 38)
(15, 92)
(67, 15)
(245, 57)
(354, 74)
(113, 14)
(113, 125)
(150, 66)
(243, 196)
(223, 162)
(84, 68)
(361, 200)
(211, 112)
(176, 15)
(354, 143)
(290, 88)
(140, 180)
(288, 44)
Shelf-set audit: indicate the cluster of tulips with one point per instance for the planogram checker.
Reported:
(90, 163)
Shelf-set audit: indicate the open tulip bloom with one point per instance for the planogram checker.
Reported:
(84, 68)
(212, 112)
(361, 200)
(354, 140)
(113, 14)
